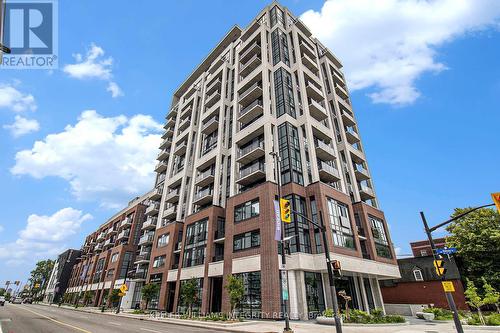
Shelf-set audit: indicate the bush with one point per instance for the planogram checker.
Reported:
(138, 312)
(493, 319)
(328, 313)
(361, 317)
(474, 320)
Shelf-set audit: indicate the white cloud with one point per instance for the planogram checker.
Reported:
(114, 89)
(386, 45)
(13, 99)
(94, 66)
(103, 159)
(22, 126)
(1, 228)
(44, 236)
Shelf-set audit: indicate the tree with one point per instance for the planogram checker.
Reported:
(149, 291)
(491, 296)
(2, 291)
(189, 294)
(113, 297)
(40, 275)
(87, 297)
(477, 239)
(236, 291)
(473, 299)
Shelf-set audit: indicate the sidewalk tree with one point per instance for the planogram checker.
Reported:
(149, 291)
(2, 291)
(474, 299)
(40, 275)
(477, 239)
(189, 294)
(87, 297)
(236, 291)
(113, 297)
(491, 296)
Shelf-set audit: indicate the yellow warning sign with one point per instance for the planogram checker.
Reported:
(123, 288)
(121, 294)
(448, 286)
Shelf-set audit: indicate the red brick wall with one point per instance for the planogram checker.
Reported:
(426, 292)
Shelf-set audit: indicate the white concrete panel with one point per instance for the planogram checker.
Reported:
(246, 264)
(172, 275)
(216, 268)
(192, 272)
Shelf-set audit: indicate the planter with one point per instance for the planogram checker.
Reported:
(427, 316)
(326, 320)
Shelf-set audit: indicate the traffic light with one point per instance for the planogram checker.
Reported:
(439, 265)
(337, 271)
(285, 210)
(496, 200)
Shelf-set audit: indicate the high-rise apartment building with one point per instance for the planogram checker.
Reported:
(271, 87)
(59, 277)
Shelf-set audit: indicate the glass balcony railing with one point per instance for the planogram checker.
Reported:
(254, 145)
(251, 169)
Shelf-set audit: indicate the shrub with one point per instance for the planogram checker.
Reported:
(138, 312)
(493, 319)
(328, 313)
(375, 317)
(440, 314)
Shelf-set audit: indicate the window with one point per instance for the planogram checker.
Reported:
(417, 273)
(159, 261)
(114, 257)
(291, 162)
(251, 303)
(111, 272)
(246, 241)
(182, 305)
(277, 16)
(340, 224)
(163, 240)
(195, 245)
(380, 238)
(299, 227)
(423, 253)
(283, 88)
(314, 294)
(98, 271)
(280, 47)
(246, 210)
(126, 263)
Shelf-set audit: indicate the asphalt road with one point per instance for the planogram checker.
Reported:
(30, 318)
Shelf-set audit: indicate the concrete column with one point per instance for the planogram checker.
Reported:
(326, 290)
(294, 294)
(377, 294)
(363, 293)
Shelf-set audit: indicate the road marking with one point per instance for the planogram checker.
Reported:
(54, 320)
(148, 330)
(114, 323)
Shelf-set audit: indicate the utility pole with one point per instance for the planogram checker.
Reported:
(428, 231)
(284, 272)
(124, 281)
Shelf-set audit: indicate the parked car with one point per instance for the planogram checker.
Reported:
(17, 300)
(28, 300)
(2, 301)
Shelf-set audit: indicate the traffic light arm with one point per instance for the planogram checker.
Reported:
(458, 217)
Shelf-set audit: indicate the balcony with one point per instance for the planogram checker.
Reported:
(251, 174)
(253, 49)
(139, 275)
(172, 196)
(142, 258)
(366, 192)
(306, 48)
(146, 239)
(126, 223)
(313, 91)
(111, 231)
(341, 92)
(203, 197)
(163, 155)
(310, 63)
(101, 236)
(205, 178)
(250, 65)
(170, 211)
(169, 132)
(98, 248)
(250, 94)
(351, 135)
(210, 126)
(317, 110)
(184, 124)
(347, 118)
(153, 209)
(124, 234)
(161, 166)
(251, 111)
(251, 152)
(360, 173)
(214, 85)
(108, 243)
(157, 192)
(357, 154)
(150, 223)
(327, 172)
(212, 99)
(180, 148)
(324, 151)
(217, 64)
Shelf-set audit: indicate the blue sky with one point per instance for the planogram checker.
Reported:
(425, 89)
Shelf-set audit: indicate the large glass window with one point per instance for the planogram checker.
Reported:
(283, 88)
(252, 303)
(314, 294)
(246, 210)
(126, 264)
(182, 306)
(277, 16)
(299, 227)
(159, 261)
(246, 240)
(98, 271)
(163, 240)
(380, 237)
(289, 146)
(280, 47)
(340, 224)
(195, 247)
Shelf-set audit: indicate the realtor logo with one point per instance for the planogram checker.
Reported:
(31, 34)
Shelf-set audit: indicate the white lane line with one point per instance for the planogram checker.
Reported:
(114, 323)
(148, 330)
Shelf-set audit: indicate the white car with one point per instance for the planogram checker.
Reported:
(17, 300)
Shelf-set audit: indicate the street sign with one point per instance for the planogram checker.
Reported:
(284, 285)
(496, 200)
(123, 288)
(448, 286)
(446, 250)
(121, 294)
(439, 265)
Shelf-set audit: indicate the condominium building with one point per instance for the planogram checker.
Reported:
(108, 255)
(59, 277)
(271, 87)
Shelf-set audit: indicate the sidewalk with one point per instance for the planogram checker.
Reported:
(263, 326)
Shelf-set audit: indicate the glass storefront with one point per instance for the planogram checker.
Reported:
(314, 294)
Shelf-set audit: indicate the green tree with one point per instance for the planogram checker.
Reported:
(87, 297)
(491, 296)
(149, 291)
(236, 291)
(40, 275)
(477, 239)
(474, 299)
(189, 294)
(2, 291)
(113, 297)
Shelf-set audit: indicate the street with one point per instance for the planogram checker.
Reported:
(27, 318)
